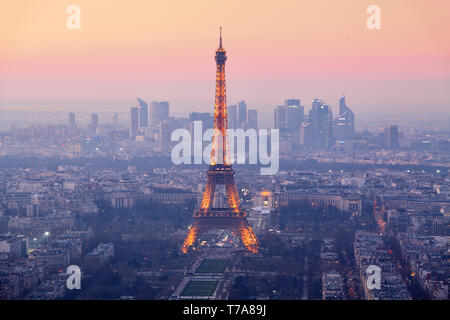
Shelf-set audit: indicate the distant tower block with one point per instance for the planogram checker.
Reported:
(230, 215)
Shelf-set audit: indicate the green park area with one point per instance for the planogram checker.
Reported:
(212, 266)
(196, 288)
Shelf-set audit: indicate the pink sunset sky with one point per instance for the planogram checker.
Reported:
(164, 50)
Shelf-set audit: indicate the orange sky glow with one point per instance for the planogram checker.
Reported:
(276, 49)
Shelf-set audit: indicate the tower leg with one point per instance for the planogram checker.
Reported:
(190, 238)
(232, 194)
(232, 218)
(208, 195)
(248, 238)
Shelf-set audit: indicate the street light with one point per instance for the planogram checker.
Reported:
(46, 234)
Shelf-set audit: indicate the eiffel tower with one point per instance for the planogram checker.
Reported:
(233, 217)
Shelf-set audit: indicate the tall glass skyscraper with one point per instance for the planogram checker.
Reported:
(159, 111)
(344, 124)
(252, 119)
(143, 113)
(94, 123)
(321, 121)
(134, 122)
(242, 109)
(232, 117)
(391, 137)
(280, 117)
(294, 114)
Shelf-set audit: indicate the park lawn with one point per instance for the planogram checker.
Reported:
(196, 288)
(212, 266)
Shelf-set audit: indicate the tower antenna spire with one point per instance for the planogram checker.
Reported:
(220, 36)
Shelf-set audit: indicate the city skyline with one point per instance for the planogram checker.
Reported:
(311, 52)
(314, 164)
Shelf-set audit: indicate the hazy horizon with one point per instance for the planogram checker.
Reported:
(105, 108)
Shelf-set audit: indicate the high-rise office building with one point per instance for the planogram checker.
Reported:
(391, 137)
(242, 114)
(165, 131)
(343, 108)
(292, 102)
(134, 122)
(280, 117)
(306, 136)
(344, 124)
(15, 245)
(321, 120)
(289, 116)
(294, 114)
(207, 121)
(115, 119)
(143, 113)
(232, 117)
(159, 111)
(252, 119)
(205, 117)
(94, 123)
(72, 121)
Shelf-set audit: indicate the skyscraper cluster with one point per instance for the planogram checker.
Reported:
(239, 117)
(317, 130)
(91, 128)
(153, 121)
(141, 117)
(289, 116)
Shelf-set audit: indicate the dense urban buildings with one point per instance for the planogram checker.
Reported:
(317, 167)
(105, 196)
(358, 209)
(53, 215)
(111, 201)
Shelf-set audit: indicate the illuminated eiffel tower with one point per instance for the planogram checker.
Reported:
(233, 217)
